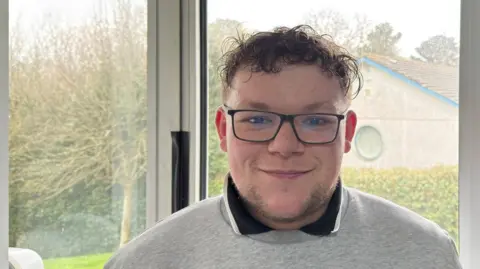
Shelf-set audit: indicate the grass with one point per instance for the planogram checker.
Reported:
(83, 262)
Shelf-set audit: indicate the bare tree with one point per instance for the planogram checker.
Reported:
(79, 107)
(349, 33)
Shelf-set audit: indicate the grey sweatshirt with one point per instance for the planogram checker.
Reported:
(374, 233)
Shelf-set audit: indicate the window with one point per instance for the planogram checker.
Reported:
(412, 97)
(78, 128)
(368, 143)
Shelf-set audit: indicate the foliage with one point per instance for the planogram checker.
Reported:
(439, 49)
(350, 33)
(382, 40)
(355, 34)
(77, 128)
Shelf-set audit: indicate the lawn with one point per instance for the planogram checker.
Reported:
(83, 262)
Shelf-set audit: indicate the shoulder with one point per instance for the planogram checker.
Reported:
(375, 208)
(400, 224)
(169, 233)
(370, 209)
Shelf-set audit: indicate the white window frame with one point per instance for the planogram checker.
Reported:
(190, 111)
(173, 103)
(173, 83)
(164, 89)
(469, 146)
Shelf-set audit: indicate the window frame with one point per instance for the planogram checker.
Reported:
(161, 48)
(357, 145)
(191, 93)
(469, 148)
(203, 69)
(194, 93)
(164, 80)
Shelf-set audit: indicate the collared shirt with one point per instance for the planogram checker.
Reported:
(244, 223)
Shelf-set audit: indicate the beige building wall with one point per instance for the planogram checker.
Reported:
(417, 130)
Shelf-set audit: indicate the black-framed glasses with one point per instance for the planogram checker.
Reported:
(263, 126)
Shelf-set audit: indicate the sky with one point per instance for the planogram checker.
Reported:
(415, 19)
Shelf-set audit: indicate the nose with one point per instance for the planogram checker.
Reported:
(286, 142)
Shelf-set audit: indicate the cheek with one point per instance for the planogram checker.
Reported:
(242, 159)
(329, 156)
(242, 155)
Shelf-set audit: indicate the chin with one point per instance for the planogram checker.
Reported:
(284, 207)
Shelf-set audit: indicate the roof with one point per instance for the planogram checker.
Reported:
(441, 81)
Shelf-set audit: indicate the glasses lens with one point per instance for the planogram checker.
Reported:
(316, 128)
(255, 126)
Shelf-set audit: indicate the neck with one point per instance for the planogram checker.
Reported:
(310, 216)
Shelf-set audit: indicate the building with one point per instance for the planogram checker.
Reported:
(407, 115)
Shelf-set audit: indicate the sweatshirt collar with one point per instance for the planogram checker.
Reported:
(243, 223)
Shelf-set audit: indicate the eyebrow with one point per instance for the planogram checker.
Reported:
(315, 106)
(308, 108)
(257, 105)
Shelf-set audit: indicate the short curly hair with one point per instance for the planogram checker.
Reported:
(268, 51)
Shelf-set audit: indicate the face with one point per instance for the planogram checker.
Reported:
(284, 182)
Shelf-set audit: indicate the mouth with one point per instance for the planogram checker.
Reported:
(286, 174)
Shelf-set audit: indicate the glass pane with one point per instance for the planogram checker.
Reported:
(77, 139)
(406, 147)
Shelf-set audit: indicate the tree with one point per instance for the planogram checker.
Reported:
(382, 40)
(79, 108)
(439, 49)
(350, 35)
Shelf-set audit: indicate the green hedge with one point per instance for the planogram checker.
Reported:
(433, 192)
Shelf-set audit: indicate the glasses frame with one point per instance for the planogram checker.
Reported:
(284, 118)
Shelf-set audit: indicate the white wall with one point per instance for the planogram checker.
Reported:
(418, 130)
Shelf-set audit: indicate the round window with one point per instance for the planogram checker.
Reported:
(368, 143)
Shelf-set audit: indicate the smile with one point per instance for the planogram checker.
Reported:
(286, 174)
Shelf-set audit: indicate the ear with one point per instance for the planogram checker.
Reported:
(350, 126)
(221, 126)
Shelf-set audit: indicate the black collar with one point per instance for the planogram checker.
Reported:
(242, 220)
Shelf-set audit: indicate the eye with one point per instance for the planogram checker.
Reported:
(316, 120)
(259, 120)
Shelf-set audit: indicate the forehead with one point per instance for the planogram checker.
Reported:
(293, 88)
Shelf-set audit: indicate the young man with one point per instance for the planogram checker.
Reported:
(285, 125)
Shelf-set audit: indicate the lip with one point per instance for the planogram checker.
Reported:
(286, 174)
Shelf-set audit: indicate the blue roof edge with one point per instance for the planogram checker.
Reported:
(408, 81)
